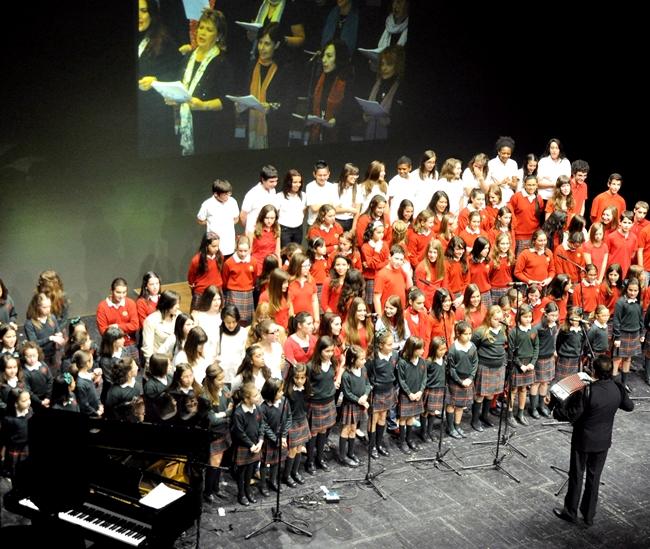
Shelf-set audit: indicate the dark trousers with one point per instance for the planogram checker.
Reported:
(346, 223)
(290, 234)
(593, 462)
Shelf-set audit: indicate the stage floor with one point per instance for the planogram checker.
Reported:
(426, 507)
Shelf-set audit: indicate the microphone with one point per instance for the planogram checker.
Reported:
(582, 321)
(503, 322)
(572, 262)
(314, 54)
(517, 284)
(426, 282)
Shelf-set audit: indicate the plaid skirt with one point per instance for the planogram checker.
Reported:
(460, 396)
(370, 289)
(566, 366)
(432, 400)
(13, 456)
(407, 407)
(271, 453)
(545, 369)
(523, 379)
(630, 345)
(243, 456)
(498, 293)
(520, 246)
(489, 381)
(351, 413)
(322, 416)
(486, 299)
(221, 444)
(382, 402)
(244, 303)
(298, 434)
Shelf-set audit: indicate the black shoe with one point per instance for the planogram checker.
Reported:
(345, 460)
(511, 420)
(373, 453)
(242, 500)
(627, 388)
(561, 513)
(521, 418)
(460, 431)
(208, 497)
(383, 450)
(322, 464)
(543, 409)
(451, 428)
(249, 494)
(588, 521)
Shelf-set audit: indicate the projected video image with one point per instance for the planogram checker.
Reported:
(218, 76)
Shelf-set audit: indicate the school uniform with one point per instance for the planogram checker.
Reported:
(299, 351)
(321, 408)
(381, 373)
(87, 394)
(238, 282)
(272, 413)
(298, 434)
(545, 365)
(247, 430)
(200, 281)
(628, 327)
(119, 400)
(375, 257)
(569, 350)
(598, 338)
(14, 438)
(524, 349)
(354, 384)
(463, 364)
(153, 387)
(38, 381)
(41, 333)
(329, 234)
(479, 274)
(456, 277)
(491, 348)
(124, 314)
(411, 378)
(499, 277)
(435, 387)
(219, 425)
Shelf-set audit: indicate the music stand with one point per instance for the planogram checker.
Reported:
(276, 512)
(503, 436)
(369, 477)
(439, 458)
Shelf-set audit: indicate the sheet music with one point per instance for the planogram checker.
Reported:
(194, 8)
(249, 25)
(161, 496)
(311, 119)
(247, 102)
(172, 91)
(372, 108)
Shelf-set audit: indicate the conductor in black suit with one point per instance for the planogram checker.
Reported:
(591, 439)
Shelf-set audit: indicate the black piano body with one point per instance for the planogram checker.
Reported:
(84, 476)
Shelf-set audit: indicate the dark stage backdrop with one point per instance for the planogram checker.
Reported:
(76, 198)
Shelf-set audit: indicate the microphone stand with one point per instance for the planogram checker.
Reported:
(370, 477)
(276, 513)
(502, 439)
(439, 458)
(310, 93)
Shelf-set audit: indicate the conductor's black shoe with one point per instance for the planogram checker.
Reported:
(588, 521)
(561, 513)
(383, 451)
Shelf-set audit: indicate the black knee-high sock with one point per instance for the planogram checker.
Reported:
(624, 378)
(380, 434)
(343, 447)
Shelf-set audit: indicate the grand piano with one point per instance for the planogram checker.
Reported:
(85, 478)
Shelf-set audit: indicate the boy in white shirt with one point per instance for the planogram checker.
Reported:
(219, 214)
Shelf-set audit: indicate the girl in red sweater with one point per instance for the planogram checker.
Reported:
(479, 269)
(442, 313)
(205, 267)
(501, 265)
(472, 310)
(456, 269)
(239, 280)
(333, 285)
(303, 294)
(503, 223)
(377, 211)
(277, 295)
(326, 228)
(374, 254)
(357, 329)
(527, 208)
(149, 294)
(439, 207)
(536, 265)
(430, 273)
(266, 237)
(418, 237)
(417, 318)
(348, 248)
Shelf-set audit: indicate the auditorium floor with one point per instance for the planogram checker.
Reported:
(426, 507)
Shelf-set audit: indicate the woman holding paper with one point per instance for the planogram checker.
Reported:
(157, 60)
(331, 95)
(385, 92)
(266, 126)
(203, 125)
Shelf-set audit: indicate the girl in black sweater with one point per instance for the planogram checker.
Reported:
(38, 379)
(547, 331)
(356, 389)
(157, 382)
(628, 330)
(276, 415)
(412, 379)
(219, 415)
(490, 341)
(569, 344)
(523, 347)
(463, 364)
(381, 373)
(248, 436)
(435, 388)
(321, 408)
(11, 377)
(124, 391)
(85, 388)
(298, 388)
(13, 434)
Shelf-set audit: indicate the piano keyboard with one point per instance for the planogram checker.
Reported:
(107, 523)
